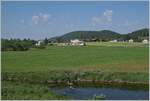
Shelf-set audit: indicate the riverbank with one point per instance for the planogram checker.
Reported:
(74, 76)
(27, 85)
(24, 91)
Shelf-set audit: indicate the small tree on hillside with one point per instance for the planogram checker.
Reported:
(46, 41)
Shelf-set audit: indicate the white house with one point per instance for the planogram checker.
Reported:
(145, 41)
(39, 43)
(113, 41)
(76, 42)
(131, 40)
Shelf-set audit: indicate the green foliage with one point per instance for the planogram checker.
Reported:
(42, 46)
(46, 41)
(60, 40)
(137, 36)
(16, 44)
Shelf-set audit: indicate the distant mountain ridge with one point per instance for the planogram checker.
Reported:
(103, 35)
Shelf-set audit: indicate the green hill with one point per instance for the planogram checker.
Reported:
(139, 34)
(85, 35)
(104, 35)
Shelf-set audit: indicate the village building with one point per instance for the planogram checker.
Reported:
(121, 40)
(145, 41)
(131, 40)
(77, 42)
(113, 40)
(39, 43)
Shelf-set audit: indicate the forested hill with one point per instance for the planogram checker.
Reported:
(104, 35)
(139, 34)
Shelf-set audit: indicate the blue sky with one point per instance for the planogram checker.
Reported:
(37, 20)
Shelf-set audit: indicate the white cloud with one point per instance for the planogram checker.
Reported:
(44, 17)
(105, 18)
(35, 19)
(40, 18)
(108, 14)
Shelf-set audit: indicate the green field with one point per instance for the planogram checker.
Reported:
(122, 59)
(119, 44)
(95, 61)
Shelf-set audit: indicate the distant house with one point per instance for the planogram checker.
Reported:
(39, 43)
(131, 40)
(145, 41)
(113, 40)
(121, 40)
(77, 42)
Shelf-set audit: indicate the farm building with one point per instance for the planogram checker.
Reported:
(145, 41)
(113, 41)
(39, 43)
(131, 40)
(77, 42)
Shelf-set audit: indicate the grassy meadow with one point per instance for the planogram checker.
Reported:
(111, 59)
(95, 61)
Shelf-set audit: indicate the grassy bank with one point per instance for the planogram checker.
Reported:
(59, 76)
(25, 91)
(34, 85)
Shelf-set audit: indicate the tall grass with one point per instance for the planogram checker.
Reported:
(24, 91)
(44, 77)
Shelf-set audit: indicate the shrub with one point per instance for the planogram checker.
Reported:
(16, 44)
(42, 46)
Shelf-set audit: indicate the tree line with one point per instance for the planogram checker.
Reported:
(21, 45)
(16, 44)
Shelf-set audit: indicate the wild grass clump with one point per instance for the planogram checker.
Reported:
(99, 97)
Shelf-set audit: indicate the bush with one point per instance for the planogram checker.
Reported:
(16, 44)
(40, 47)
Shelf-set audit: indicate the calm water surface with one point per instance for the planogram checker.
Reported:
(85, 93)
